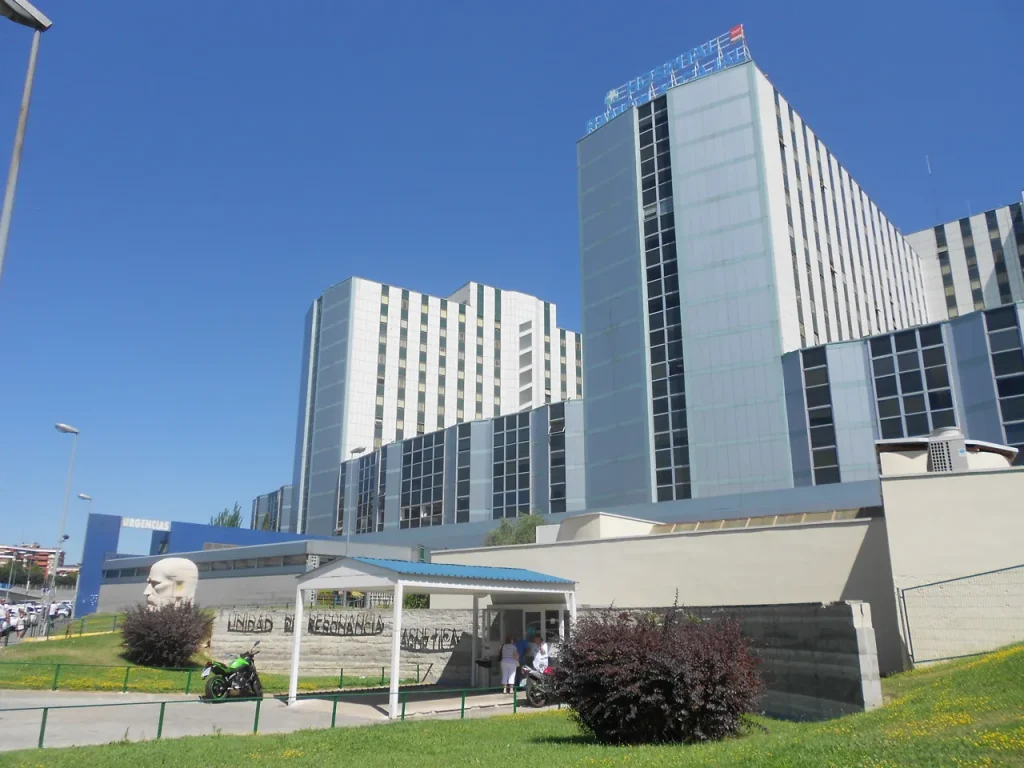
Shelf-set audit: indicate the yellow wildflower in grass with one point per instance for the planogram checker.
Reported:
(1002, 740)
(976, 762)
(997, 656)
(929, 726)
(292, 753)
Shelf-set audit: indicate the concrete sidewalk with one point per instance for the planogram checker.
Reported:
(187, 716)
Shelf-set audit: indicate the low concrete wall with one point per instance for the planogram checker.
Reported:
(359, 642)
(794, 564)
(817, 661)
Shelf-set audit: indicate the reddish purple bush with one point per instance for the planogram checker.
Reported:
(164, 637)
(654, 679)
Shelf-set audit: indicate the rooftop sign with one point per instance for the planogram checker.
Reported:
(149, 525)
(713, 56)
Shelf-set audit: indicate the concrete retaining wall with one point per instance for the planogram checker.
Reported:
(818, 661)
(439, 641)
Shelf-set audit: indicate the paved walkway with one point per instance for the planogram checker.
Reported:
(69, 724)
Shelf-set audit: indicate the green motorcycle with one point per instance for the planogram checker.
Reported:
(238, 676)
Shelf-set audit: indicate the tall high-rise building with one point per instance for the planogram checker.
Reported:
(717, 233)
(383, 364)
(273, 511)
(976, 262)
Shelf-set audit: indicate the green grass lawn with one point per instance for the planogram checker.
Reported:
(95, 664)
(968, 714)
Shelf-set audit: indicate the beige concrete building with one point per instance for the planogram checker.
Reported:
(951, 510)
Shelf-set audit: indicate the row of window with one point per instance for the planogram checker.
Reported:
(899, 278)
(912, 386)
(462, 456)
(556, 457)
(913, 395)
(422, 490)
(820, 421)
(511, 466)
(1007, 357)
(664, 317)
(971, 259)
(239, 564)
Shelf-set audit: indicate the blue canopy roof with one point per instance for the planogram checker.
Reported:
(475, 572)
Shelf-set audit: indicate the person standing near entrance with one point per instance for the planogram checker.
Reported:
(509, 665)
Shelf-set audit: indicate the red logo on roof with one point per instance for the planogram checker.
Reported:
(735, 33)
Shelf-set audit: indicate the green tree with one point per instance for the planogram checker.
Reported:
(229, 518)
(523, 530)
(267, 524)
(416, 601)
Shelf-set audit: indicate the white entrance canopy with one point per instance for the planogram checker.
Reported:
(369, 574)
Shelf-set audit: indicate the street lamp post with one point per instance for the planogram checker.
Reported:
(66, 429)
(14, 562)
(24, 13)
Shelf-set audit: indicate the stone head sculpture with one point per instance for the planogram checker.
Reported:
(171, 580)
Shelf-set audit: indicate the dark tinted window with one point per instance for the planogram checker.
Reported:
(814, 358)
(1005, 363)
(886, 386)
(881, 346)
(930, 336)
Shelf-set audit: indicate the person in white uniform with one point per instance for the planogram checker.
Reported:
(509, 665)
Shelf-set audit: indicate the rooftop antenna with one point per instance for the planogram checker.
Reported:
(931, 187)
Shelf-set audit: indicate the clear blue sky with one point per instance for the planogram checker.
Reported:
(190, 183)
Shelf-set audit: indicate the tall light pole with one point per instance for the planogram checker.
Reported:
(10, 580)
(24, 13)
(66, 429)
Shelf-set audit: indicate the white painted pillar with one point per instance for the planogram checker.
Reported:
(293, 680)
(572, 609)
(396, 652)
(474, 655)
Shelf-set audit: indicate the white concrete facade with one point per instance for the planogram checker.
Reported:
(505, 363)
(843, 270)
(384, 364)
(973, 263)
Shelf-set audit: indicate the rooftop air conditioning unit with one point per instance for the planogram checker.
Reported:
(947, 451)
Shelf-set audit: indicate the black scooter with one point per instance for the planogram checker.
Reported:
(540, 686)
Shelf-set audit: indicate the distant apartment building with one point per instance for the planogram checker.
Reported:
(28, 556)
(273, 511)
(973, 263)
(384, 364)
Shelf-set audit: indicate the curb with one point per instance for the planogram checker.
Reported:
(62, 637)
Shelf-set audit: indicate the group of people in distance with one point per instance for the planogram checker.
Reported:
(536, 654)
(15, 619)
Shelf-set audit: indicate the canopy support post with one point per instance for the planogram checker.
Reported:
(474, 655)
(293, 680)
(396, 651)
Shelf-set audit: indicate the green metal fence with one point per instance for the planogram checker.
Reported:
(462, 693)
(52, 676)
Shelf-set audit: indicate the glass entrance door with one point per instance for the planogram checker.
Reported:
(548, 624)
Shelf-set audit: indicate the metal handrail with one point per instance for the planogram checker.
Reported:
(404, 695)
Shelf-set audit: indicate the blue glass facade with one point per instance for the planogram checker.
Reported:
(967, 372)
(322, 404)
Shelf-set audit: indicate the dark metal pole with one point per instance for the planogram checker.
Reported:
(19, 142)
